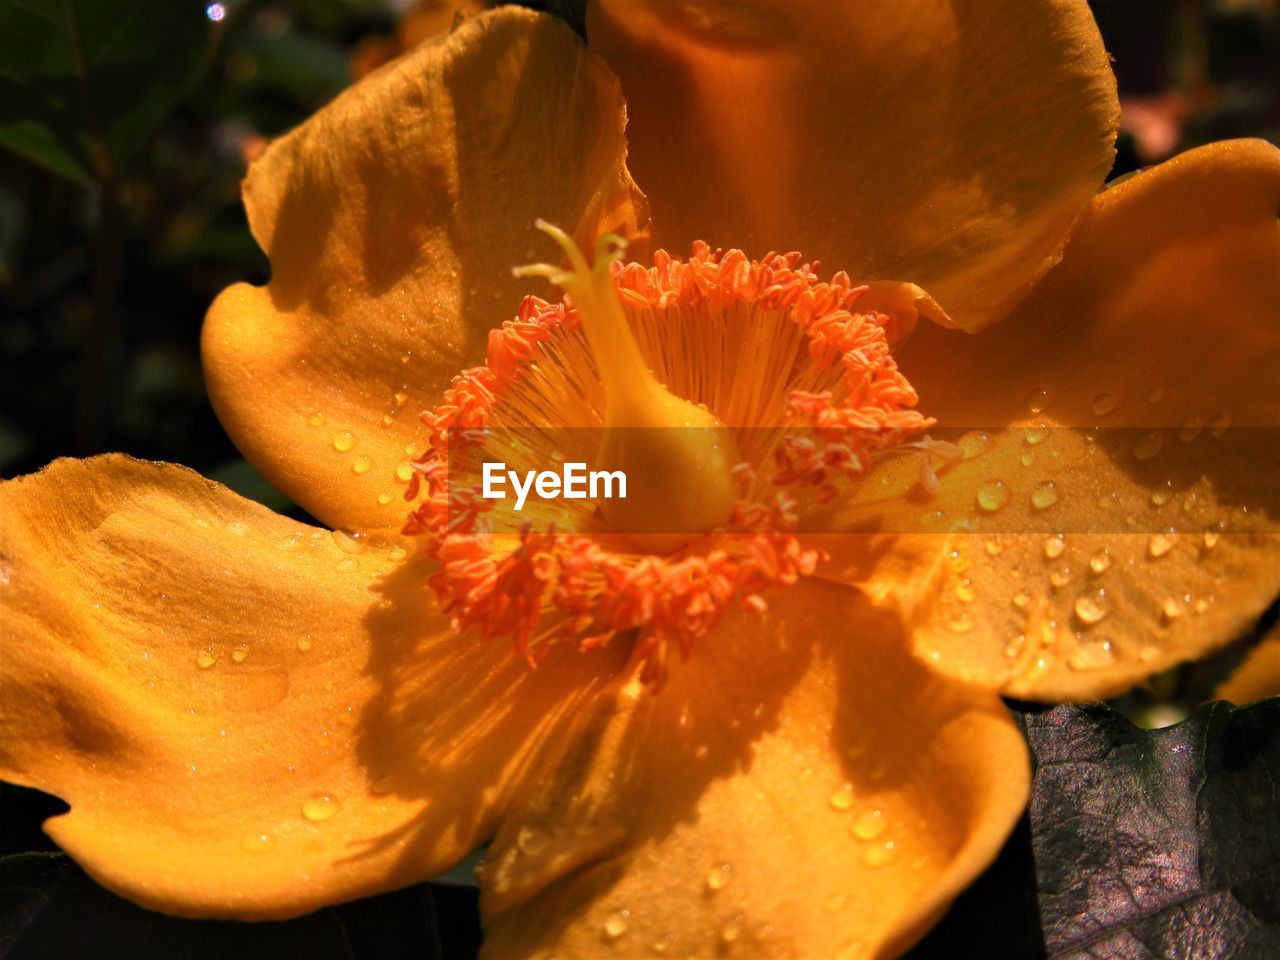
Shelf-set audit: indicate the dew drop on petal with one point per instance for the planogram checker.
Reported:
(206, 658)
(615, 925)
(1092, 607)
(1160, 544)
(878, 855)
(1045, 495)
(842, 799)
(1147, 446)
(361, 465)
(320, 807)
(1037, 400)
(961, 624)
(385, 497)
(531, 842)
(731, 930)
(1161, 494)
(1092, 656)
(1210, 540)
(1103, 404)
(1054, 546)
(718, 877)
(1028, 458)
(316, 419)
(1060, 577)
(241, 653)
(1171, 608)
(257, 842)
(869, 825)
(305, 643)
(1191, 429)
(404, 471)
(1021, 600)
(965, 592)
(994, 548)
(1099, 562)
(993, 495)
(343, 441)
(1219, 425)
(1035, 435)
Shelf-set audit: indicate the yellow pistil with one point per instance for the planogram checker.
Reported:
(677, 456)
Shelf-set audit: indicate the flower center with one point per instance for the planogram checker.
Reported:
(732, 395)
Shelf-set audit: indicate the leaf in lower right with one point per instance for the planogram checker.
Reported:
(1160, 843)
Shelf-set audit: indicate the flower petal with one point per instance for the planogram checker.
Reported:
(392, 219)
(950, 143)
(1131, 523)
(246, 718)
(801, 787)
(1258, 677)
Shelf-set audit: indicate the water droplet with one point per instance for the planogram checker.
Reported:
(1093, 656)
(257, 842)
(1147, 446)
(316, 419)
(1160, 544)
(965, 592)
(361, 465)
(1210, 540)
(1219, 425)
(1045, 495)
(1201, 604)
(972, 444)
(1028, 458)
(718, 877)
(1103, 404)
(994, 548)
(1035, 435)
(320, 807)
(1099, 562)
(1161, 494)
(962, 624)
(400, 397)
(1054, 546)
(241, 653)
(878, 855)
(350, 542)
(1014, 647)
(1171, 608)
(1092, 607)
(1021, 600)
(531, 842)
(615, 925)
(206, 658)
(869, 825)
(993, 495)
(1156, 395)
(1060, 577)
(404, 471)
(344, 441)
(305, 643)
(385, 497)
(731, 930)
(842, 799)
(1191, 429)
(835, 903)
(388, 419)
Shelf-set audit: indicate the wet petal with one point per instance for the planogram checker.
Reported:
(1118, 497)
(830, 801)
(392, 219)
(1258, 677)
(248, 717)
(950, 143)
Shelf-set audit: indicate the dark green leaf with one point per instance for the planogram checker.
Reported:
(84, 83)
(1161, 843)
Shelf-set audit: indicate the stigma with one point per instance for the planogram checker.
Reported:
(733, 395)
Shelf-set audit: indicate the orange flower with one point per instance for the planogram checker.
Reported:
(251, 717)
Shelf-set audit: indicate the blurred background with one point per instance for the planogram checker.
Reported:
(119, 225)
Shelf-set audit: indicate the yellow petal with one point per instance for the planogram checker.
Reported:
(1258, 677)
(950, 143)
(392, 219)
(247, 718)
(1138, 381)
(801, 787)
